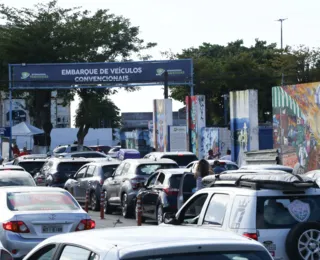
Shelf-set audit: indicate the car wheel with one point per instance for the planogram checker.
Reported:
(303, 241)
(125, 206)
(108, 209)
(94, 202)
(159, 214)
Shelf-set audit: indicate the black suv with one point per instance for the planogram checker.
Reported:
(56, 171)
(121, 189)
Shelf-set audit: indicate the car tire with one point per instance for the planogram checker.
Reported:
(303, 239)
(159, 214)
(108, 209)
(94, 202)
(125, 210)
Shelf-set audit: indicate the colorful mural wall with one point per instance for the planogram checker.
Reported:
(162, 118)
(209, 140)
(196, 120)
(296, 124)
(243, 123)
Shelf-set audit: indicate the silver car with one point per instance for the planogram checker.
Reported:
(146, 243)
(30, 215)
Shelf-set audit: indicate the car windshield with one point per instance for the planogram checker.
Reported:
(60, 150)
(286, 212)
(41, 200)
(67, 167)
(16, 181)
(32, 167)
(108, 170)
(148, 169)
(181, 159)
(238, 255)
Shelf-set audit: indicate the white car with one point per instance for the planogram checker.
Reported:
(276, 167)
(280, 210)
(16, 178)
(228, 165)
(29, 215)
(146, 243)
(181, 158)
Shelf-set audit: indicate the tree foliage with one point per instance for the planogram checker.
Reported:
(48, 34)
(220, 69)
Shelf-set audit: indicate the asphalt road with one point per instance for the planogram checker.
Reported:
(114, 220)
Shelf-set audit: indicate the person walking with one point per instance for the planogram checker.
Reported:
(203, 169)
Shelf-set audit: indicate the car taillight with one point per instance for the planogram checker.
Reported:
(101, 181)
(86, 224)
(251, 235)
(137, 183)
(16, 227)
(4, 255)
(171, 192)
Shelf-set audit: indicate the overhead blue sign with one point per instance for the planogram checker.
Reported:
(62, 74)
(5, 131)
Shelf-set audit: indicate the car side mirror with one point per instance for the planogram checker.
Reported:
(170, 219)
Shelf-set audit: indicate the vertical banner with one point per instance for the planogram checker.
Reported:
(243, 123)
(150, 131)
(196, 120)
(177, 138)
(162, 118)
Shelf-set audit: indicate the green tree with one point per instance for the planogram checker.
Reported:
(48, 33)
(97, 112)
(221, 69)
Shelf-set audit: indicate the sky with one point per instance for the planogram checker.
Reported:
(179, 24)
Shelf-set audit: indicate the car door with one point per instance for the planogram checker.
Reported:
(187, 185)
(145, 195)
(77, 187)
(109, 183)
(189, 214)
(119, 179)
(86, 183)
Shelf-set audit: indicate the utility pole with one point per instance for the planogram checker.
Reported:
(281, 20)
(166, 85)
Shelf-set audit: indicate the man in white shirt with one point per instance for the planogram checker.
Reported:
(227, 157)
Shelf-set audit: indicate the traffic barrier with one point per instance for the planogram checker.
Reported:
(102, 204)
(86, 205)
(139, 211)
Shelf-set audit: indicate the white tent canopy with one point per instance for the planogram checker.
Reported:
(25, 129)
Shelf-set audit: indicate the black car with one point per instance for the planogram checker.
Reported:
(56, 171)
(121, 189)
(160, 194)
(32, 166)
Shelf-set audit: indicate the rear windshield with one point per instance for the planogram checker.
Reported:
(67, 167)
(286, 212)
(46, 200)
(227, 166)
(175, 181)
(148, 169)
(88, 155)
(181, 160)
(32, 167)
(245, 255)
(108, 170)
(16, 181)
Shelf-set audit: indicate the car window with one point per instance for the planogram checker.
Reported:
(45, 253)
(85, 148)
(286, 212)
(125, 169)
(148, 169)
(160, 179)
(16, 181)
(191, 212)
(190, 166)
(174, 181)
(70, 167)
(41, 201)
(60, 150)
(231, 167)
(88, 155)
(73, 252)
(32, 167)
(80, 174)
(216, 209)
(181, 160)
(119, 169)
(90, 171)
(152, 180)
(108, 170)
(74, 148)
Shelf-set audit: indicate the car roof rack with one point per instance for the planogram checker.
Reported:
(258, 181)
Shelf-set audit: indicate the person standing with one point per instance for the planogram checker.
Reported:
(211, 155)
(202, 170)
(15, 150)
(217, 168)
(227, 157)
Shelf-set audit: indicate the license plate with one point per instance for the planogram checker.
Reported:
(51, 229)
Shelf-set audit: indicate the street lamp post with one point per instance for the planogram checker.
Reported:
(281, 20)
